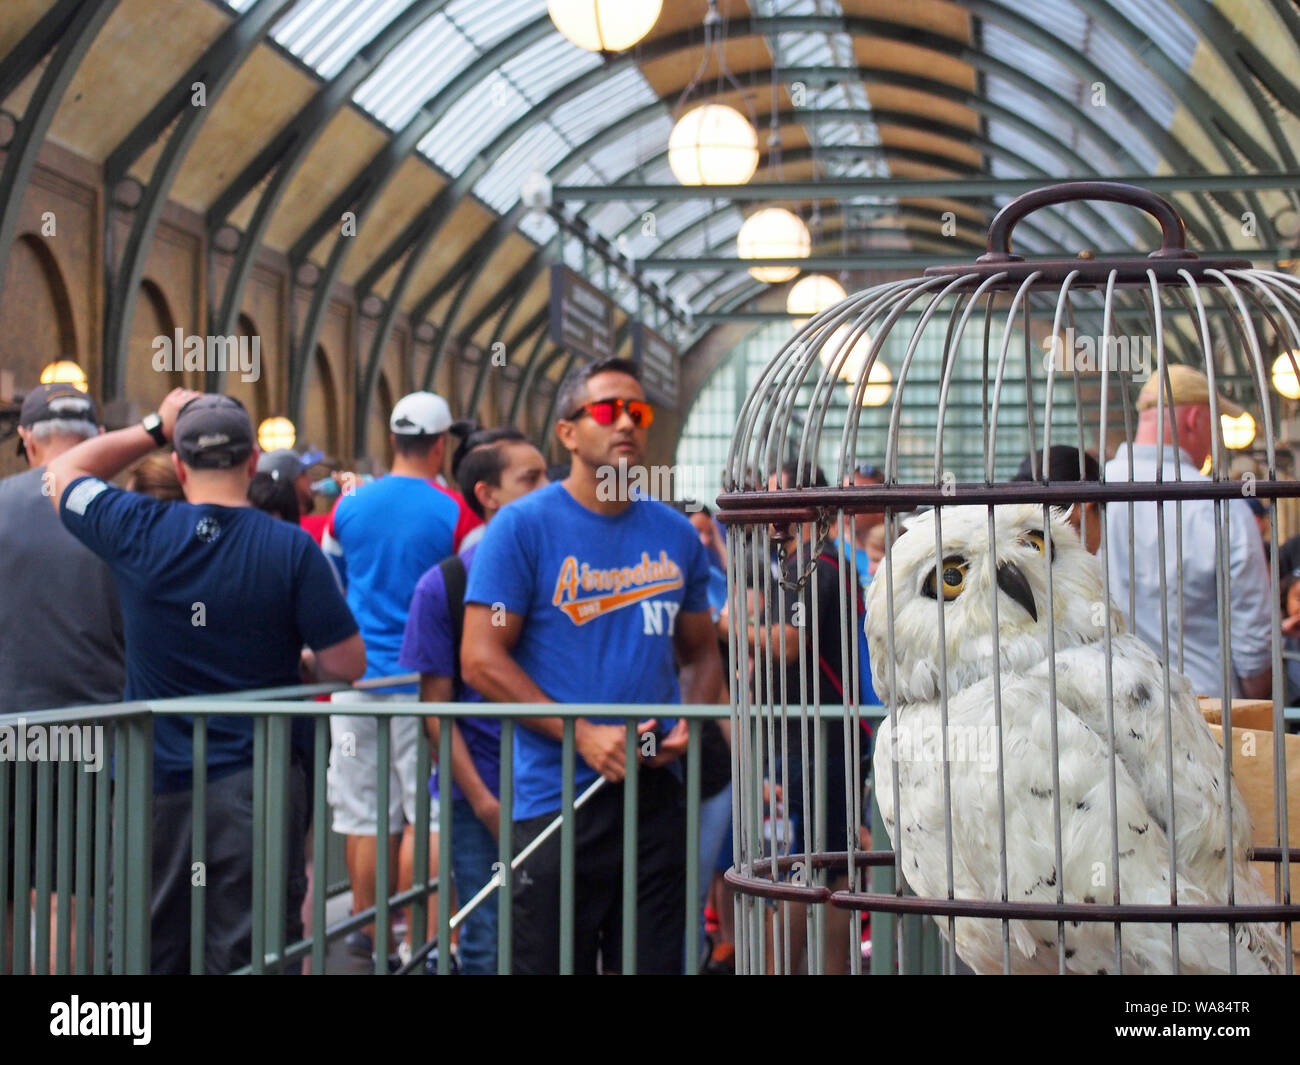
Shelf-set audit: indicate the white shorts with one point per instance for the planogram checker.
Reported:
(354, 759)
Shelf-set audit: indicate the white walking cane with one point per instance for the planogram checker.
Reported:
(542, 837)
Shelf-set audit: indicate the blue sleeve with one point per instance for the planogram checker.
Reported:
(429, 645)
(505, 566)
(331, 544)
(113, 523)
(322, 613)
(697, 576)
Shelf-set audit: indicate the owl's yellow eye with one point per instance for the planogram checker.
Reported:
(1035, 539)
(953, 575)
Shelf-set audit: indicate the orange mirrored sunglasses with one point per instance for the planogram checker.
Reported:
(607, 412)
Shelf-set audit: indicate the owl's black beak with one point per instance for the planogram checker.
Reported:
(1012, 581)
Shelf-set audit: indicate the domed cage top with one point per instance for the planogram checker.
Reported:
(1044, 637)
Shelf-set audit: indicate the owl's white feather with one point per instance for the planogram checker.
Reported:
(906, 673)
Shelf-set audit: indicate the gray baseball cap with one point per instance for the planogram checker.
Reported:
(285, 464)
(60, 401)
(213, 432)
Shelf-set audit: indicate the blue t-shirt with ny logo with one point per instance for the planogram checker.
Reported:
(600, 597)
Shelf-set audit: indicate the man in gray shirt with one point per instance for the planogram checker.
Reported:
(59, 612)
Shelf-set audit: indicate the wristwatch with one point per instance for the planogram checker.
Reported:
(152, 424)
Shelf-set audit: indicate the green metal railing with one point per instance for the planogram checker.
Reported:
(104, 824)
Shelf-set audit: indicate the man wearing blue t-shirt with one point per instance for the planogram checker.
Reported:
(382, 538)
(216, 597)
(580, 594)
(494, 467)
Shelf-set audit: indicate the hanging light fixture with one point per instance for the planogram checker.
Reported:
(1285, 382)
(1239, 432)
(880, 386)
(275, 434)
(773, 233)
(713, 145)
(851, 368)
(812, 294)
(604, 25)
(65, 372)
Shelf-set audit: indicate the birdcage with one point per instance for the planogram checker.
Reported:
(1040, 788)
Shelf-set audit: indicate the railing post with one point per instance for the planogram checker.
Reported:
(102, 827)
(44, 847)
(418, 913)
(258, 945)
(199, 844)
(383, 767)
(85, 781)
(444, 845)
(320, 844)
(567, 837)
(138, 896)
(277, 837)
(694, 870)
(63, 879)
(505, 851)
(631, 750)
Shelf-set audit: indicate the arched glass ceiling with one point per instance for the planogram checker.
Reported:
(1037, 63)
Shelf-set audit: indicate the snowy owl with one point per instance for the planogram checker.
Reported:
(963, 586)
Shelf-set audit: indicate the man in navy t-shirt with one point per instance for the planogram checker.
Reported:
(216, 597)
(584, 593)
(494, 467)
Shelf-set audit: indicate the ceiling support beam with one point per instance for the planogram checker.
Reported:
(893, 188)
(285, 154)
(178, 111)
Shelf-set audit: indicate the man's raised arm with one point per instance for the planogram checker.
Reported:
(107, 455)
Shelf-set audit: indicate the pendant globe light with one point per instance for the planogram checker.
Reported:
(812, 294)
(1238, 433)
(1285, 382)
(604, 25)
(65, 372)
(851, 366)
(773, 233)
(880, 386)
(712, 143)
(275, 434)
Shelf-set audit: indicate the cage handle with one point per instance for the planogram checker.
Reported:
(1173, 236)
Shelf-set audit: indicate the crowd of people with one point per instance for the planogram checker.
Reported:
(210, 572)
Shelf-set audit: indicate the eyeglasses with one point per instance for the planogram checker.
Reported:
(869, 471)
(608, 411)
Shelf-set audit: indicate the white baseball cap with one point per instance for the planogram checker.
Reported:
(420, 414)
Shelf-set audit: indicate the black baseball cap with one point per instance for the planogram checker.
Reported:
(213, 432)
(63, 401)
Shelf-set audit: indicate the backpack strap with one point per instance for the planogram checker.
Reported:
(455, 578)
(860, 602)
